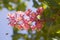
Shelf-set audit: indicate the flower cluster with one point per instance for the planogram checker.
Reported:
(26, 20)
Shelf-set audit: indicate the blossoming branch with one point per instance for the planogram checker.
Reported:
(26, 20)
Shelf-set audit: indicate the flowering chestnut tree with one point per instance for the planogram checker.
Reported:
(45, 21)
(26, 20)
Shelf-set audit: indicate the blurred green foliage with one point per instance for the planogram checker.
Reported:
(13, 5)
(51, 15)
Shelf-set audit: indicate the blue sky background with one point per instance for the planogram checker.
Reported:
(4, 27)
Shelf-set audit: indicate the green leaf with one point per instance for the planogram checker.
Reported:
(16, 36)
(21, 7)
(53, 3)
(36, 5)
(0, 7)
(41, 0)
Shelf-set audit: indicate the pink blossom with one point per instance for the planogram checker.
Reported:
(26, 20)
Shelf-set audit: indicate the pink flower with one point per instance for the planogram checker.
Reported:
(26, 20)
(40, 10)
(28, 12)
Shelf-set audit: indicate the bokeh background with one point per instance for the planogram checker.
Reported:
(51, 15)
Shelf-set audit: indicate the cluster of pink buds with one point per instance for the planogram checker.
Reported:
(26, 20)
